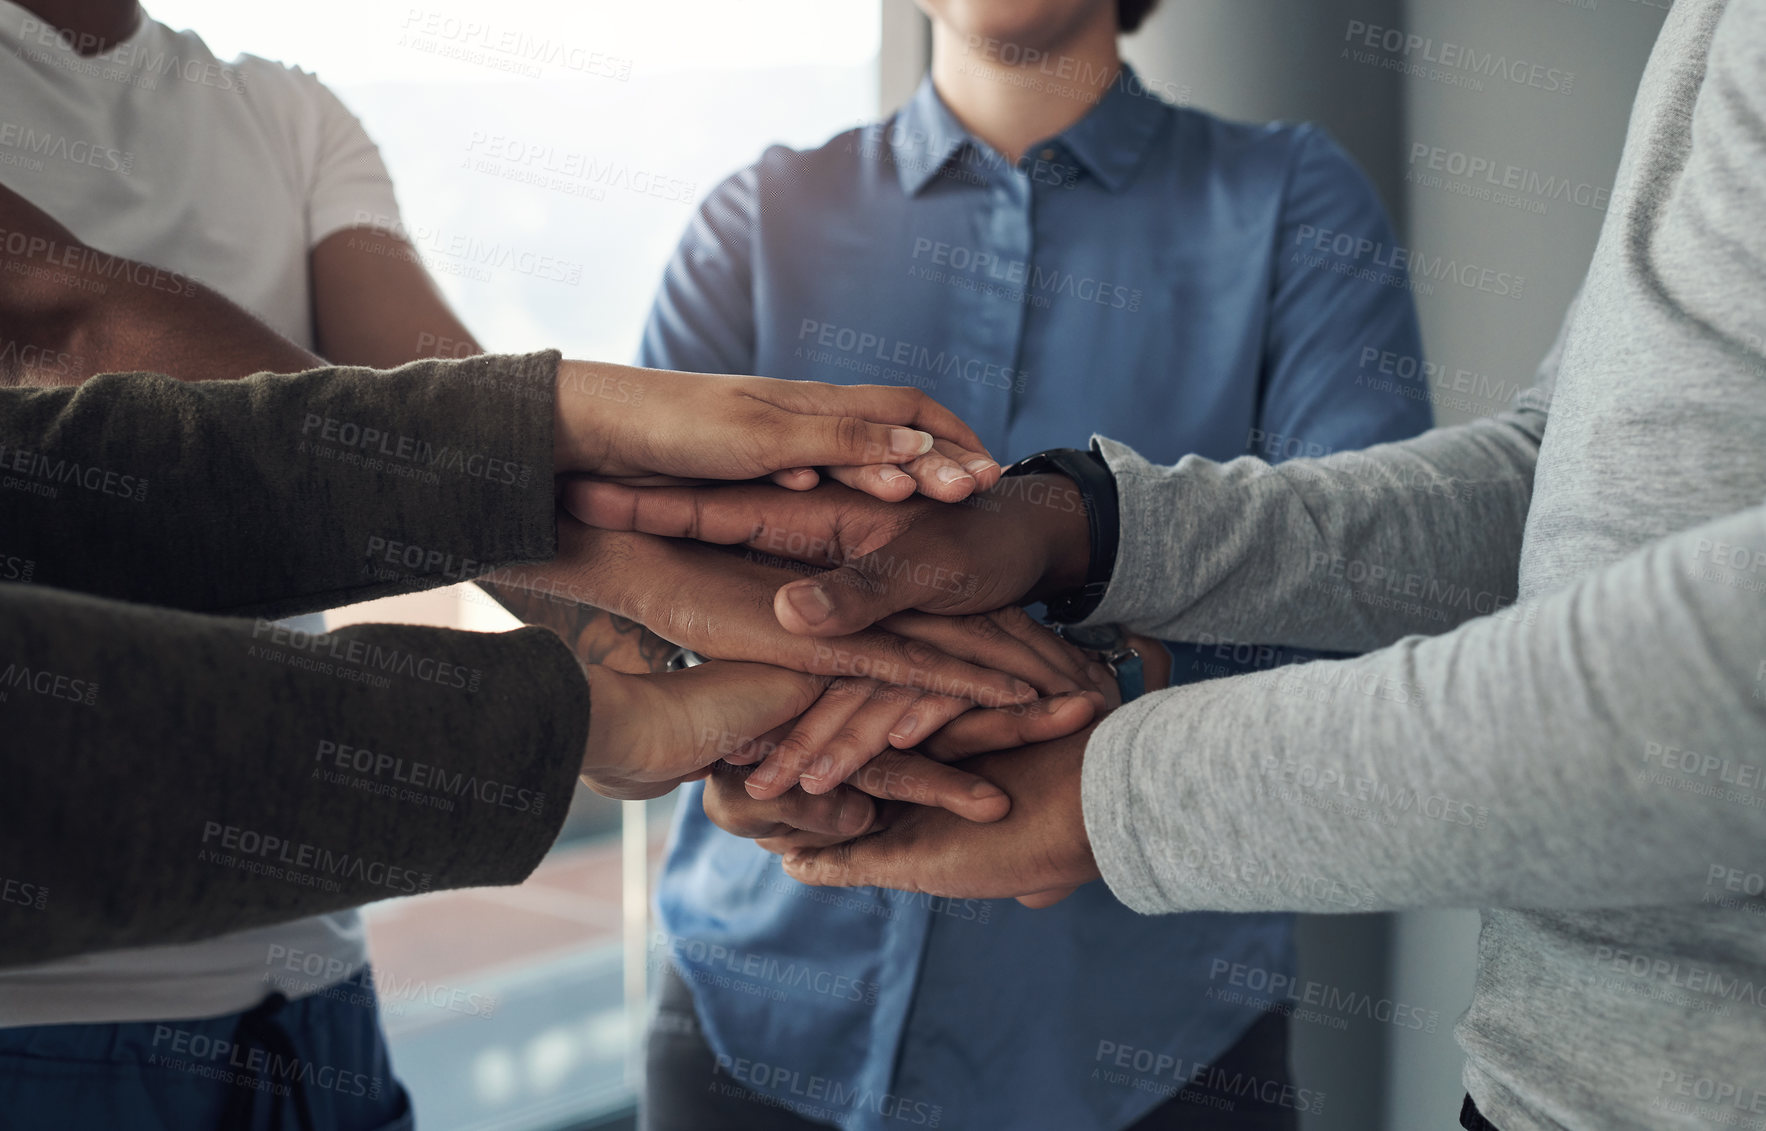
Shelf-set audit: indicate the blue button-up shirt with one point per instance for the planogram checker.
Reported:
(1176, 282)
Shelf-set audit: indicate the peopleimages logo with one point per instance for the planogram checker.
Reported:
(75, 151)
(1432, 58)
(426, 777)
(1277, 986)
(138, 62)
(1165, 1074)
(1031, 277)
(34, 896)
(377, 443)
(874, 352)
(364, 656)
(50, 685)
(1361, 257)
(1484, 178)
(267, 848)
(813, 1096)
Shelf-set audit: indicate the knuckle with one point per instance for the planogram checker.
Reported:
(918, 653)
(795, 749)
(731, 816)
(804, 811)
(985, 629)
(847, 741)
(850, 433)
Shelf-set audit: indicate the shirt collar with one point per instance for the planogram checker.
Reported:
(923, 138)
(1109, 142)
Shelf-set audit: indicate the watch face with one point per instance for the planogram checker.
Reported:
(1098, 638)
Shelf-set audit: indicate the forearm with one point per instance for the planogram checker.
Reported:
(273, 495)
(374, 304)
(594, 635)
(69, 311)
(1347, 553)
(261, 775)
(1538, 758)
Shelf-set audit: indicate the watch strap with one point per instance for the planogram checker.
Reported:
(1097, 490)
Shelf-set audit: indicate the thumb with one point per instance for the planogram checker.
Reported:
(846, 600)
(728, 704)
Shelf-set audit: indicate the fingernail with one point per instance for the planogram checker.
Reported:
(978, 466)
(763, 777)
(794, 857)
(892, 476)
(952, 474)
(904, 729)
(909, 442)
(810, 602)
(1023, 690)
(820, 768)
(852, 817)
(985, 791)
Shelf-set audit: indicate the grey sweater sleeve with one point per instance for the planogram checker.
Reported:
(172, 775)
(1346, 553)
(280, 494)
(1564, 753)
(1597, 746)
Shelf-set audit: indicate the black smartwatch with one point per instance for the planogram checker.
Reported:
(1097, 488)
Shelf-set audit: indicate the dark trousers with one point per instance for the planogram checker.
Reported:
(684, 1092)
(317, 1063)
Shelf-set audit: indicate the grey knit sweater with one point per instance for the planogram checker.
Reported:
(1566, 723)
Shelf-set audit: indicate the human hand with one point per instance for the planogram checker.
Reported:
(798, 818)
(650, 733)
(719, 604)
(1038, 853)
(802, 820)
(619, 422)
(858, 719)
(1025, 539)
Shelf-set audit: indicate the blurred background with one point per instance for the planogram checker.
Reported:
(521, 1007)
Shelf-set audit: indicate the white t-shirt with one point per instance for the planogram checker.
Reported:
(229, 173)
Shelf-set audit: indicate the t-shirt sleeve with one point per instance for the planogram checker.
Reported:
(347, 184)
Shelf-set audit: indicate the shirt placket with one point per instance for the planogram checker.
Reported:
(993, 330)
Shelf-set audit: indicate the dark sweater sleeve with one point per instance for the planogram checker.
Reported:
(280, 494)
(171, 776)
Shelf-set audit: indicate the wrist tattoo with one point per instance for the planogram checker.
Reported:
(595, 635)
